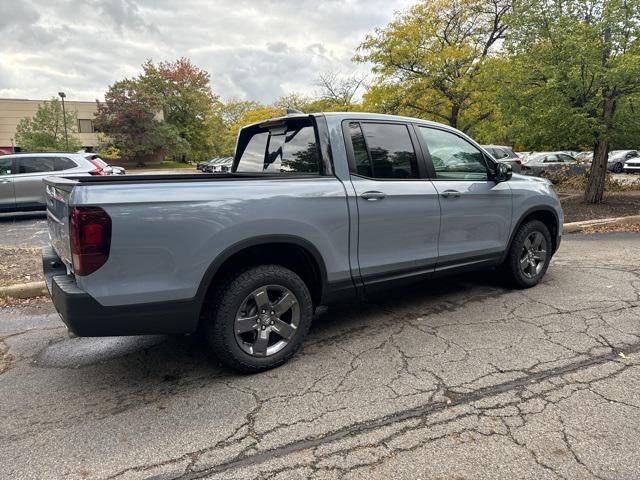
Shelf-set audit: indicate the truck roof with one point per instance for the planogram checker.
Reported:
(352, 116)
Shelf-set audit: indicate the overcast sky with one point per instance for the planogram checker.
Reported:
(253, 49)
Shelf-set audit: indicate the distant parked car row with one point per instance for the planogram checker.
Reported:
(619, 160)
(569, 161)
(216, 165)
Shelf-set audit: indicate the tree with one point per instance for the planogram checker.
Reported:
(429, 60)
(131, 116)
(574, 62)
(255, 115)
(234, 109)
(338, 92)
(188, 104)
(45, 130)
(293, 100)
(169, 109)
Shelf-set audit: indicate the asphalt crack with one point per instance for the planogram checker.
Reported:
(420, 412)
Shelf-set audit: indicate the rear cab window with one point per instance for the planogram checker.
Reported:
(289, 146)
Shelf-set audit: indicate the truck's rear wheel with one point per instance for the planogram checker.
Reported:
(259, 318)
(529, 255)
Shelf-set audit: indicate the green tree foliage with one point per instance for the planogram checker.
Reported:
(45, 130)
(131, 117)
(430, 59)
(169, 109)
(573, 63)
(188, 104)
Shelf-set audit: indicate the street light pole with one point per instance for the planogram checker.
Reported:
(64, 120)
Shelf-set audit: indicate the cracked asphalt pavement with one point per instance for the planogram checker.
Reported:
(458, 379)
(24, 229)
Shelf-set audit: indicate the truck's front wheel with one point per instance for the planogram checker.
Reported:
(259, 318)
(529, 255)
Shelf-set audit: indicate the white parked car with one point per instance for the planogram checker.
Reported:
(632, 165)
(21, 175)
(617, 159)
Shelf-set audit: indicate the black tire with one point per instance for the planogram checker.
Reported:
(617, 168)
(220, 320)
(529, 276)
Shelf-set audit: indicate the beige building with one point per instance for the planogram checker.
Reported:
(13, 110)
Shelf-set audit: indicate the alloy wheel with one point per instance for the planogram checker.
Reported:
(533, 255)
(267, 320)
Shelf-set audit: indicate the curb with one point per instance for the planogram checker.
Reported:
(575, 227)
(24, 290)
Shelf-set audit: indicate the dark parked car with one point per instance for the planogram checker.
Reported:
(505, 154)
(543, 163)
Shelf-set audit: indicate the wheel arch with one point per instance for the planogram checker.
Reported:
(546, 215)
(295, 253)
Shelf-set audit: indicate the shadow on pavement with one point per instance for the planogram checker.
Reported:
(187, 359)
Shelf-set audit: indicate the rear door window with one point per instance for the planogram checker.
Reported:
(35, 165)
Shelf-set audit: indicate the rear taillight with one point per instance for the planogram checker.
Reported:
(99, 164)
(90, 235)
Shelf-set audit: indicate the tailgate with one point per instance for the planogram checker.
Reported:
(58, 191)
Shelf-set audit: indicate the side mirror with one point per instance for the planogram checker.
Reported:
(503, 172)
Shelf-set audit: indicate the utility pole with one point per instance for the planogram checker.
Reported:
(64, 120)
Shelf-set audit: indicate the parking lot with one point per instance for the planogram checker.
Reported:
(24, 229)
(460, 378)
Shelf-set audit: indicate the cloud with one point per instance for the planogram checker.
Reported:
(253, 50)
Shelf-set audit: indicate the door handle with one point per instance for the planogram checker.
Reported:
(5, 181)
(374, 195)
(450, 193)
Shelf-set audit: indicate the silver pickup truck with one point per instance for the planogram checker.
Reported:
(316, 208)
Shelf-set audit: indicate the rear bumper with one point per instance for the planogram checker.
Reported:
(85, 317)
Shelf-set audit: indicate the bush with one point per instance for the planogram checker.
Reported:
(109, 154)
